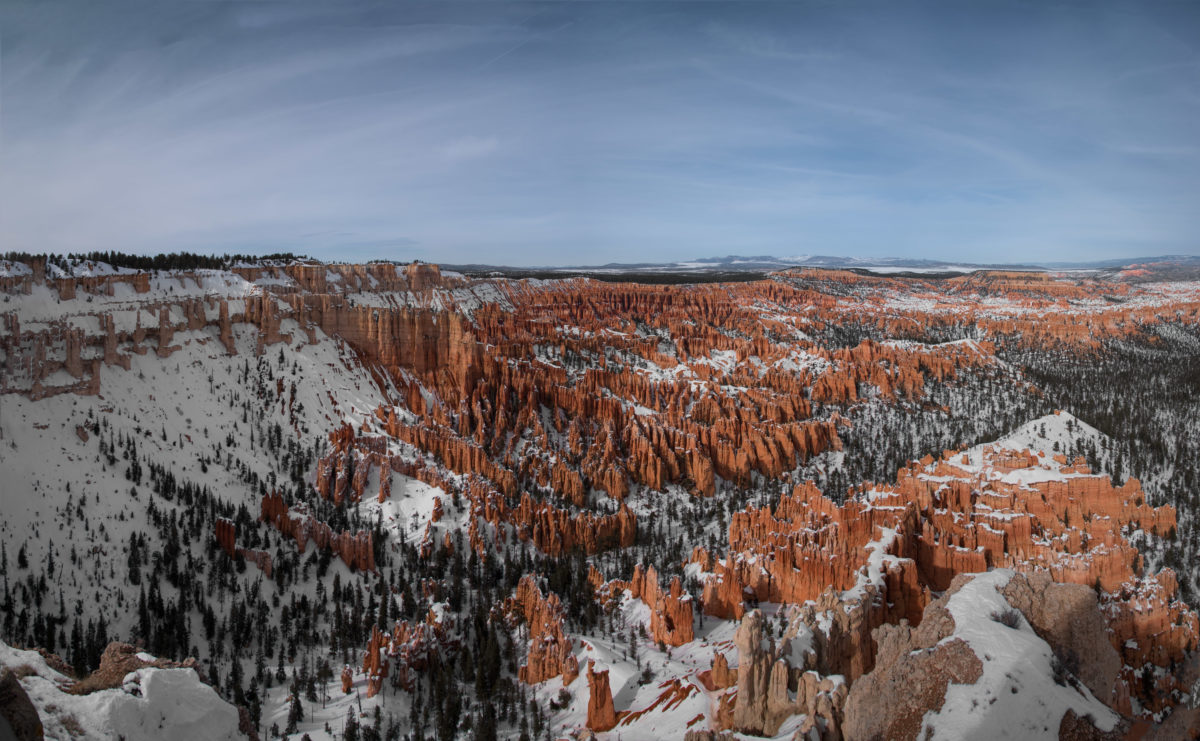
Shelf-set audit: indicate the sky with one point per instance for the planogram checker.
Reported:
(571, 133)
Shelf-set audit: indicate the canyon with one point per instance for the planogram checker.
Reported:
(640, 507)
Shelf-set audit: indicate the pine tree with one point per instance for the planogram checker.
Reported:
(295, 714)
(485, 727)
(489, 666)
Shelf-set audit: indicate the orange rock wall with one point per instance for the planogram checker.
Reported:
(949, 519)
(550, 651)
(357, 550)
(671, 616)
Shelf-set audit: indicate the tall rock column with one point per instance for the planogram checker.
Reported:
(753, 675)
(601, 714)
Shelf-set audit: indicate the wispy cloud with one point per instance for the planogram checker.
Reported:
(764, 43)
(529, 133)
(470, 147)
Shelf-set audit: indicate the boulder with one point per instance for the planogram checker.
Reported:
(17, 710)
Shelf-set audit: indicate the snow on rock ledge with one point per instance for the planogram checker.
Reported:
(978, 667)
(152, 703)
(1017, 696)
(174, 704)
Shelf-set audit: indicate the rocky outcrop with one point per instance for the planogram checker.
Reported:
(544, 405)
(118, 660)
(226, 535)
(722, 676)
(550, 651)
(1151, 628)
(671, 617)
(769, 690)
(903, 697)
(410, 648)
(913, 668)
(556, 532)
(375, 663)
(261, 559)
(357, 550)
(17, 710)
(955, 515)
(690, 434)
(810, 544)
(601, 716)
(1068, 617)
(753, 678)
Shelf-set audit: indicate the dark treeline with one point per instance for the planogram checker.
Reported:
(1145, 396)
(168, 261)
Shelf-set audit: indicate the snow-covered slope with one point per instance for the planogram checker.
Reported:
(208, 418)
(1053, 433)
(1016, 697)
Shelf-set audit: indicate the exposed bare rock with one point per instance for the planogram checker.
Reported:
(226, 534)
(769, 690)
(1075, 728)
(55, 662)
(550, 651)
(357, 550)
(912, 672)
(410, 648)
(722, 676)
(753, 676)
(710, 736)
(375, 663)
(118, 660)
(1067, 616)
(601, 715)
(959, 515)
(17, 709)
(671, 616)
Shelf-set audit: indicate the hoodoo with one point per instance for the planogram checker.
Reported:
(822, 503)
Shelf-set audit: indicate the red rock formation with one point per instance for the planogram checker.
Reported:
(550, 651)
(408, 649)
(726, 434)
(226, 534)
(261, 559)
(944, 518)
(722, 675)
(1150, 627)
(415, 647)
(671, 617)
(357, 550)
(570, 670)
(375, 663)
(601, 714)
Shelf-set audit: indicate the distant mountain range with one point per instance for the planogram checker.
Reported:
(759, 263)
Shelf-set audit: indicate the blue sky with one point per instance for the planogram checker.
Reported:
(589, 132)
